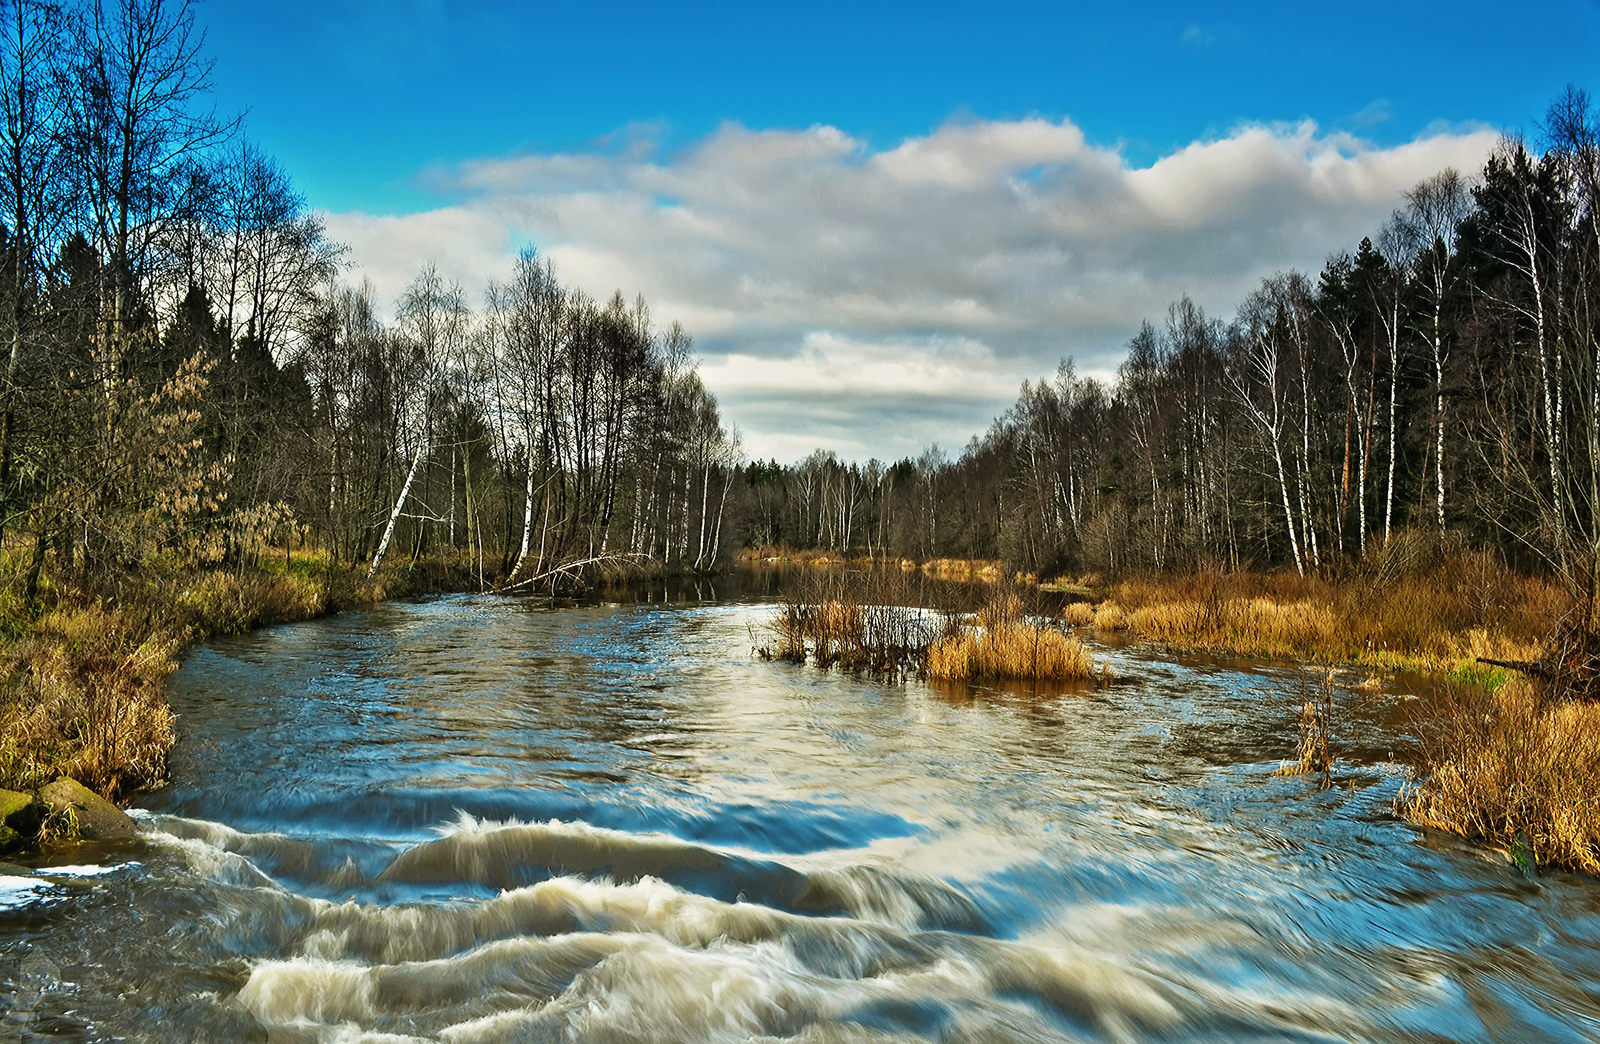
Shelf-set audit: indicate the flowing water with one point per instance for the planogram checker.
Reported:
(483, 819)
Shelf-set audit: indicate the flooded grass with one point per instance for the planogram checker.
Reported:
(891, 621)
(1314, 755)
(1004, 642)
(869, 620)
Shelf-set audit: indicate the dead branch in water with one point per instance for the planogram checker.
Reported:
(569, 569)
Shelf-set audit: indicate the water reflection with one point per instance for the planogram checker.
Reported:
(481, 819)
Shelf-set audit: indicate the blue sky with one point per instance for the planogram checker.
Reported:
(779, 177)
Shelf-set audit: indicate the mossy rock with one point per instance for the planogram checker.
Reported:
(20, 815)
(97, 819)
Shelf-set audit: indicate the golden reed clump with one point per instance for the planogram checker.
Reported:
(1514, 768)
(1109, 617)
(1012, 650)
(868, 621)
(1004, 643)
(860, 621)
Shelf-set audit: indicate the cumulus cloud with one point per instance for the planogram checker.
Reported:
(873, 300)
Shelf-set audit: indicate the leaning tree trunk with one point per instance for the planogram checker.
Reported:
(399, 506)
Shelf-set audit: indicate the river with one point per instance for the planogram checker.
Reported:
(486, 819)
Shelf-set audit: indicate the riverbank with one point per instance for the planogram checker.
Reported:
(1504, 757)
(1412, 610)
(85, 661)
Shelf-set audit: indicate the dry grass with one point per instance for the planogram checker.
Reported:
(877, 621)
(965, 569)
(857, 620)
(1004, 643)
(1418, 604)
(1078, 614)
(1513, 768)
(86, 701)
(1315, 752)
(1108, 617)
(85, 668)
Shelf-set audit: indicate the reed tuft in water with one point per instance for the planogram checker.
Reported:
(1005, 643)
(856, 620)
(879, 621)
(1314, 754)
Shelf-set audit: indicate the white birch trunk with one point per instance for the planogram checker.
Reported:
(399, 506)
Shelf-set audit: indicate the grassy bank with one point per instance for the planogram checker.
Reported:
(1413, 608)
(1515, 768)
(86, 662)
(1505, 756)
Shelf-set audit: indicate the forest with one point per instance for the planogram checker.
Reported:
(191, 378)
(1442, 374)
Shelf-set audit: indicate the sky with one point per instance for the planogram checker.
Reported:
(876, 221)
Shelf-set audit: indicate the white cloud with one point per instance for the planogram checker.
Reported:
(869, 301)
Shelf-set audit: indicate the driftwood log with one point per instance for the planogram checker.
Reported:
(1534, 668)
(1570, 667)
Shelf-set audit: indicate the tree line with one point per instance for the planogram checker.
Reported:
(187, 378)
(1444, 373)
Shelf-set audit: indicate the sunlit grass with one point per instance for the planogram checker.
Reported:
(873, 621)
(1429, 608)
(1513, 769)
(85, 664)
(1002, 643)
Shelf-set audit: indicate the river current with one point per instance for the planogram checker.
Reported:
(484, 819)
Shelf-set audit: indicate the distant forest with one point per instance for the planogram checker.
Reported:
(1445, 374)
(187, 380)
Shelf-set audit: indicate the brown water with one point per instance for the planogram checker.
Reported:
(479, 819)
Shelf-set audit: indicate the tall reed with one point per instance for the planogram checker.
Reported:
(1004, 643)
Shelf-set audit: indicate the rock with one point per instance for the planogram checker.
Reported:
(19, 818)
(98, 819)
